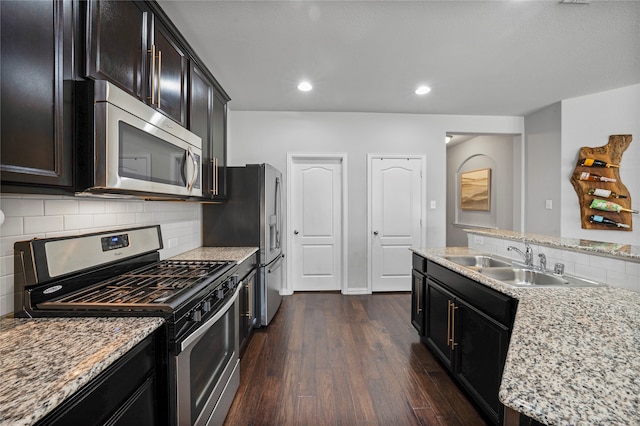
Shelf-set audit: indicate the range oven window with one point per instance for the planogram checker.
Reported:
(209, 357)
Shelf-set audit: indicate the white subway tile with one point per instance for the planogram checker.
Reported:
(60, 207)
(6, 285)
(92, 207)
(632, 268)
(126, 219)
(144, 218)
(6, 304)
(575, 257)
(107, 219)
(606, 263)
(6, 265)
(12, 226)
(33, 225)
(115, 207)
(591, 273)
(15, 207)
(135, 206)
(622, 280)
(78, 221)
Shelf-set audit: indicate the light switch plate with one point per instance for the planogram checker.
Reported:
(548, 204)
(433, 204)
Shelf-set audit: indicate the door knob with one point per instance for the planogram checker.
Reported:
(375, 232)
(296, 232)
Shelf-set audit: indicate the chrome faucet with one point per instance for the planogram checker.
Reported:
(527, 255)
(543, 262)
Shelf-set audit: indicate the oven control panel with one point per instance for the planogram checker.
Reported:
(114, 242)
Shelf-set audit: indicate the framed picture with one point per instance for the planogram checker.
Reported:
(475, 190)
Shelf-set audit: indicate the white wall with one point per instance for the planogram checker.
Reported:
(256, 136)
(31, 216)
(588, 121)
(543, 144)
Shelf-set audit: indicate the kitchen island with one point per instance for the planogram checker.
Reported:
(573, 357)
(44, 361)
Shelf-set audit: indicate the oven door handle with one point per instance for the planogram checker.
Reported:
(203, 329)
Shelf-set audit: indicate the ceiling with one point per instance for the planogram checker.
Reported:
(478, 57)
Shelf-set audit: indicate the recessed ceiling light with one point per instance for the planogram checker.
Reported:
(305, 86)
(447, 138)
(423, 90)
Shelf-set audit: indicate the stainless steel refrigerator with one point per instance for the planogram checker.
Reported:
(252, 217)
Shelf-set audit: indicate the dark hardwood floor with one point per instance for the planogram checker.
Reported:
(329, 359)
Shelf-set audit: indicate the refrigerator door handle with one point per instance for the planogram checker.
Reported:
(278, 212)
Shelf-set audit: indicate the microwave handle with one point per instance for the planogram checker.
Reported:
(194, 175)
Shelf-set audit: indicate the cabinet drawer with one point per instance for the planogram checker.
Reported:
(495, 304)
(419, 263)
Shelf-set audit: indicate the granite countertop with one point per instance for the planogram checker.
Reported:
(621, 251)
(237, 254)
(574, 354)
(43, 361)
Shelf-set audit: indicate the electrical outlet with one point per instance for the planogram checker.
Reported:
(172, 242)
(477, 239)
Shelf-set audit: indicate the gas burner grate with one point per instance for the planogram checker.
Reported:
(156, 283)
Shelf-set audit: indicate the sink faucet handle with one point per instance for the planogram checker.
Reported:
(543, 262)
(558, 269)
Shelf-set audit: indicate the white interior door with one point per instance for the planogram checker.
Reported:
(316, 224)
(396, 210)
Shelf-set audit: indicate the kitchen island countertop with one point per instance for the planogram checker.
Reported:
(43, 361)
(574, 353)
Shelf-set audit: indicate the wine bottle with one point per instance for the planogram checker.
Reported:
(591, 176)
(594, 218)
(590, 162)
(609, 206)
(605, 193)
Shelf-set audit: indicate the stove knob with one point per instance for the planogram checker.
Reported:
(206, 306)
(196, 315)
(220, 294)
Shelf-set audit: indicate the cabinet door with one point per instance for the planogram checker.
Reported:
(169, 74)
(219, 145)
(117, 44)
(438, 321)
(35, 106)
(417, 301)
(480, 356)
(200, 104)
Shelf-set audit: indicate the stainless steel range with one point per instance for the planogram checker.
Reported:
(120, 273)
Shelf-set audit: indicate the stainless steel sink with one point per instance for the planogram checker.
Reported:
(519, 277)
(524, 277)
(477, 261)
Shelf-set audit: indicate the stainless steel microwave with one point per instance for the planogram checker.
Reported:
(125, 147)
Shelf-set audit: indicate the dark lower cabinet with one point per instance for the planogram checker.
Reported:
(36, 96)
(417, 300)
(247, 298)
(467, 327)
(129, 392)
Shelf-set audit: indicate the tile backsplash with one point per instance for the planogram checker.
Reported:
(31, 216)
(614, 272)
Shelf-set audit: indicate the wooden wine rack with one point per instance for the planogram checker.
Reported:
(610, 153)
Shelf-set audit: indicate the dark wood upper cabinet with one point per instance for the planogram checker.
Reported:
(36, 95)
(207, 119)
(128, 45)
(117, 39)
(170, 79)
